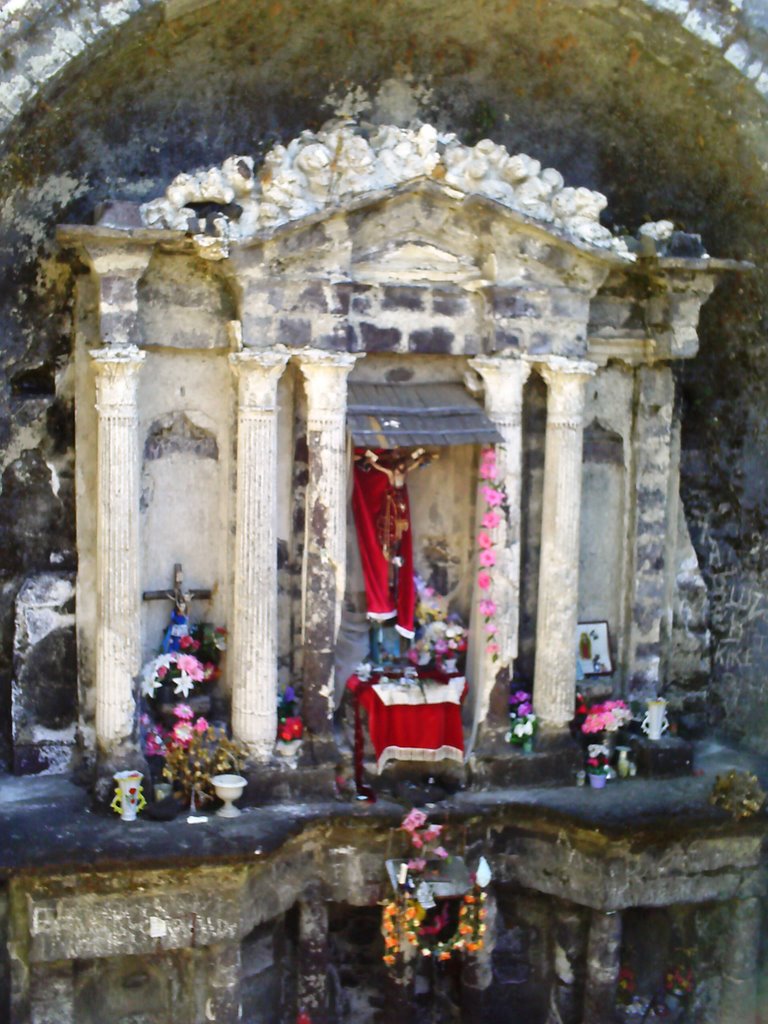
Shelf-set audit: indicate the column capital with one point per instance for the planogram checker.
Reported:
(559, 370)
(116, 371)
(325, 376)
(117, 360)
(258, 371)
(504, 380)
(565, 379)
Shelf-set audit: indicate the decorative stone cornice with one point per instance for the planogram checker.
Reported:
(318, 171)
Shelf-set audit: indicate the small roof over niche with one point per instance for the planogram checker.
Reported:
(411, 415)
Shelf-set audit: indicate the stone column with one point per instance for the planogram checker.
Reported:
(739, 992)
(555, 671)
(118, 633)
(325, 541)
(254, 611)
(224, 972)
(312, 989)
(648, 570)
(504, 381)
(603, 956)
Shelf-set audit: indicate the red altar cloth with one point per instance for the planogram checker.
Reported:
(405, 726)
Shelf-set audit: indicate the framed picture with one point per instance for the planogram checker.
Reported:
(593, 651)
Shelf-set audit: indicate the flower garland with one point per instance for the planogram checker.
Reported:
(401, 926)
(495, 501)
(402, 920)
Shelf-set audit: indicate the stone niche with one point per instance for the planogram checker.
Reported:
(217, 336)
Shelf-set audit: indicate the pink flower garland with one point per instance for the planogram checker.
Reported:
(494, 499)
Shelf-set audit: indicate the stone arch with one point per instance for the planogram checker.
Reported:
(41, 41)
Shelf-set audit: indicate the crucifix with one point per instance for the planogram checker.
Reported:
(181, 598)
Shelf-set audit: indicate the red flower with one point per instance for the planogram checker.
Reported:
(291, 729)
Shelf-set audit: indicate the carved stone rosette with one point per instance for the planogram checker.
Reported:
(254, 618)
(555, 671)
(324, 570)
(117, 541)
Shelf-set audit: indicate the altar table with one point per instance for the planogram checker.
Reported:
(416, 721)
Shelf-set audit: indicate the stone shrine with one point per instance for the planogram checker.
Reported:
(219, 310)
(212, 350)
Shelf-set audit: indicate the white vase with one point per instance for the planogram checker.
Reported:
(655, 722)
(129, 796)
(228, 788)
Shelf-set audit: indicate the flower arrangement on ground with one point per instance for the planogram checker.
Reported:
(495, 499)
(598, 759)
(407, 922)
(523, 721)
(195, 752)
(289, 724)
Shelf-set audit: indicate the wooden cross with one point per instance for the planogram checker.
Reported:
(178, 595)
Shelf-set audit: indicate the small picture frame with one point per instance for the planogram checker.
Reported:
(593, 650)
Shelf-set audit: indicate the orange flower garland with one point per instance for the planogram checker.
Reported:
(401, 920)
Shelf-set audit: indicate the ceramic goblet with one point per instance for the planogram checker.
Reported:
(228, 788)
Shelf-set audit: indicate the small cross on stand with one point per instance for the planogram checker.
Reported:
(179, 616)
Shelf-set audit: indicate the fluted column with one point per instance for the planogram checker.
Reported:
(254, 619)
(504, 380)
(117, 541)
(325, 543)
(555, 672)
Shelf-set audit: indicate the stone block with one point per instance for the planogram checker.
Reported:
(664, 758)
(44, 688)
(379, 339)
(450, 303)
(512, 305)
(362, 299)
(149, 919)
(313, 298)
(118, 214)
(503, 338)
(432, 340)
(294, 333)
(403, 297)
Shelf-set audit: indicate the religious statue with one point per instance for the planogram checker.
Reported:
(383, 520)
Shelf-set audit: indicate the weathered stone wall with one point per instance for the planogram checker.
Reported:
(660, 105)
